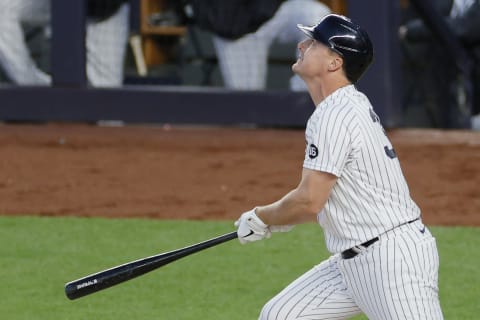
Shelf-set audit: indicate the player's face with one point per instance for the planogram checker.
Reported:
(313, 59)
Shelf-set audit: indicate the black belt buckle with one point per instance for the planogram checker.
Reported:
(352, 252)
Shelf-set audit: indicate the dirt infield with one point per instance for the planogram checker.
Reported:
(207, 173)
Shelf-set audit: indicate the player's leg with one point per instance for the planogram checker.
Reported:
(106, 46)
(15, 58)
(397, 277)
(318, 294)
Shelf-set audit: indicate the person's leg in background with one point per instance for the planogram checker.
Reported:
(243, 62)
(306, 12)
(106, 47)
(15, 57)
(438, 80)
(475, 118)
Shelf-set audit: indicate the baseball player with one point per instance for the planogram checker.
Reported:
(105, 42)
(384, 260)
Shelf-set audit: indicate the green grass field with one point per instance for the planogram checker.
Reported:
(39, 255)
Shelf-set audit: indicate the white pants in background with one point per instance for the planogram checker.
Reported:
(243, 62)
(106, 44)
(106, 47)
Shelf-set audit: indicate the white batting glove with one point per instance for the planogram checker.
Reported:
(251, 228)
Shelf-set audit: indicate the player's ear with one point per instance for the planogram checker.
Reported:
(336, 62)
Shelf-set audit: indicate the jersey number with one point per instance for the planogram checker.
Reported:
(390, 152)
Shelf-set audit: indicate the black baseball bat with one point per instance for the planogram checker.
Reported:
(113, 276)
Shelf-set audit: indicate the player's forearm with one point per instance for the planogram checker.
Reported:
(294, 208)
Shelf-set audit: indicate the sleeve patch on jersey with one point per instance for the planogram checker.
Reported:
(312, 151)
(390, 152)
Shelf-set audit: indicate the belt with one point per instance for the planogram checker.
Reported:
(353, 251)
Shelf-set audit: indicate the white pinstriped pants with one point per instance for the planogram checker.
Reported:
(243, 62)
(395, 278)
(15, 57)
(106, 48)
(106, 43)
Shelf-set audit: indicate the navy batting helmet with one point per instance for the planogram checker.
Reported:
(347, 39)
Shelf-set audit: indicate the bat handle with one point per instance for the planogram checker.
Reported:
(227, 237)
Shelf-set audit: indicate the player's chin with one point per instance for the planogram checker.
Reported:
(297, 66)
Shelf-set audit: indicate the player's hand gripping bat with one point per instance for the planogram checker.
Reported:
(113, 276)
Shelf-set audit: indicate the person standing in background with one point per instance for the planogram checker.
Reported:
(243, 56)
(432, 73)
(106, 39)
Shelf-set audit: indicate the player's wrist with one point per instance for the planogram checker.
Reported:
(251, 227)
(261, 213)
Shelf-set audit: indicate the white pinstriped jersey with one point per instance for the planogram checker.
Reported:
(344, 137)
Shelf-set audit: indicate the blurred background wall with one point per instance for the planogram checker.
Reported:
(170, 71)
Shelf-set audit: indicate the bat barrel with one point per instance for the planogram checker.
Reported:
(110, 277)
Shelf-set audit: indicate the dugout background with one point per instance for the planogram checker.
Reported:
(71, 99)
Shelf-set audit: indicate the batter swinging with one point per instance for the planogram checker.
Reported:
(384, 260)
